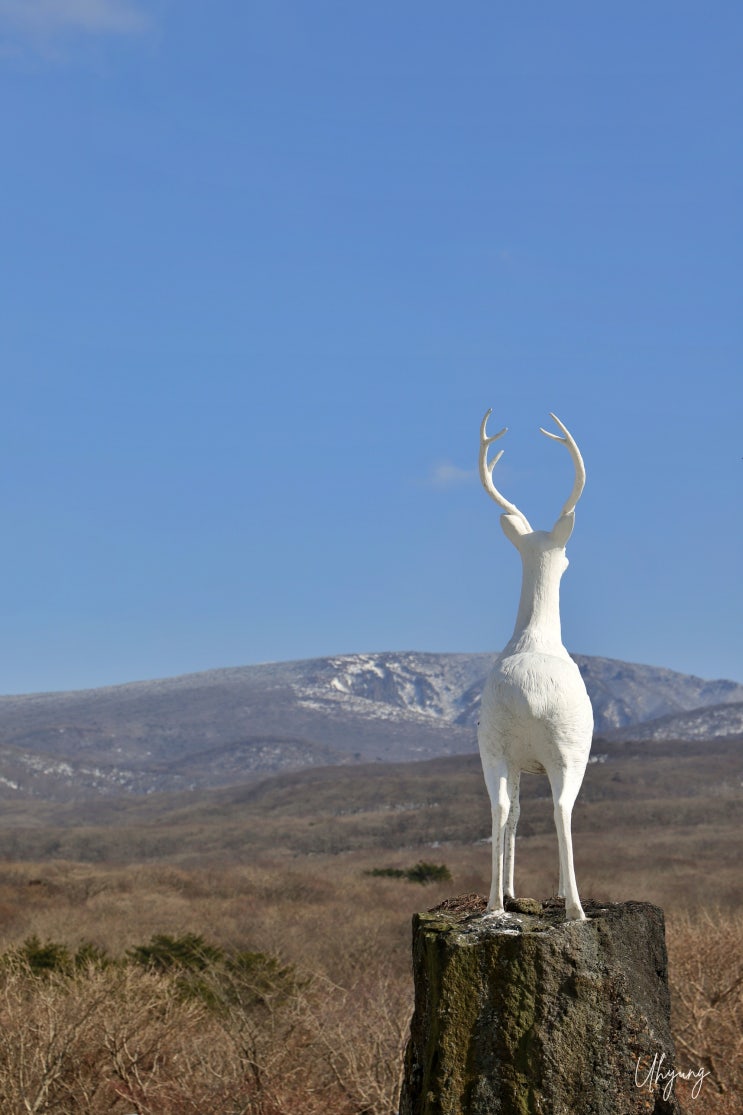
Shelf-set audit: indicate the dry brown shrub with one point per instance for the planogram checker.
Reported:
(108, 1040)
(361, 1033)
(121, 1039)
(706, 975)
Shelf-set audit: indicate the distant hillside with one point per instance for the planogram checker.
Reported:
(670, 787)
(719, 722)
(225, 726)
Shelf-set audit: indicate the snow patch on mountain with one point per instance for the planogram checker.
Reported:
(447, 688)
(719, 722)
(384, 685)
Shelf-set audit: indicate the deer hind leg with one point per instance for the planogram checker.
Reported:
(565, 786)
(497, 782)
(509, 849)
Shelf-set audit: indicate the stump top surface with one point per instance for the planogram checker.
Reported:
(466, 913)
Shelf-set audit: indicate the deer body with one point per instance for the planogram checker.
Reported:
(535, 715)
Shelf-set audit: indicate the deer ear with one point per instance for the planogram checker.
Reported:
(563, 528)
(513, 528)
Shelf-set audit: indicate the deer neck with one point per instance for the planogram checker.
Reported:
(538, 618)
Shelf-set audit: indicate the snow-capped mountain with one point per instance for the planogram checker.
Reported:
(449, 686)
(223, 726)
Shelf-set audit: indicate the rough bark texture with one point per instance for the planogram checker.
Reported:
(532, 1015)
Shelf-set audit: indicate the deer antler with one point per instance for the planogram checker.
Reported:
(486, 470)
(580, 468)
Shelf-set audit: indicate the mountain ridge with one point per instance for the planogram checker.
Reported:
(218, 726)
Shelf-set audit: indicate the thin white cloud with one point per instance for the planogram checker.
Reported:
(94, 17)
(446, 475)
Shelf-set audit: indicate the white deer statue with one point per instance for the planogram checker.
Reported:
(535, 714)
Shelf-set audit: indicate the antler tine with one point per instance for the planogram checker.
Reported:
(486, 470)
(580, 468)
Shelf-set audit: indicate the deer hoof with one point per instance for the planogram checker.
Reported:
(575, 913)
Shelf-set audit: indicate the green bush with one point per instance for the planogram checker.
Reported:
(41, 958)
(252, 978)
(420, 873)
(217, 977)
(89, 955)
(428, 873)
(51, 956)
(190, 952)
(199, 970)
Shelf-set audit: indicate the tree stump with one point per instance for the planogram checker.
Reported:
(529, 1014)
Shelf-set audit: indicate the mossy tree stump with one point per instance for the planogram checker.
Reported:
(532, 1015)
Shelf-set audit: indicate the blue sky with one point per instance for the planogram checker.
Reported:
(265, 265)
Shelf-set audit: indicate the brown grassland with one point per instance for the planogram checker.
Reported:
(315, 1020)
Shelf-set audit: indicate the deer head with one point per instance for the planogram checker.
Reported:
(542, 552)
(515, 524)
